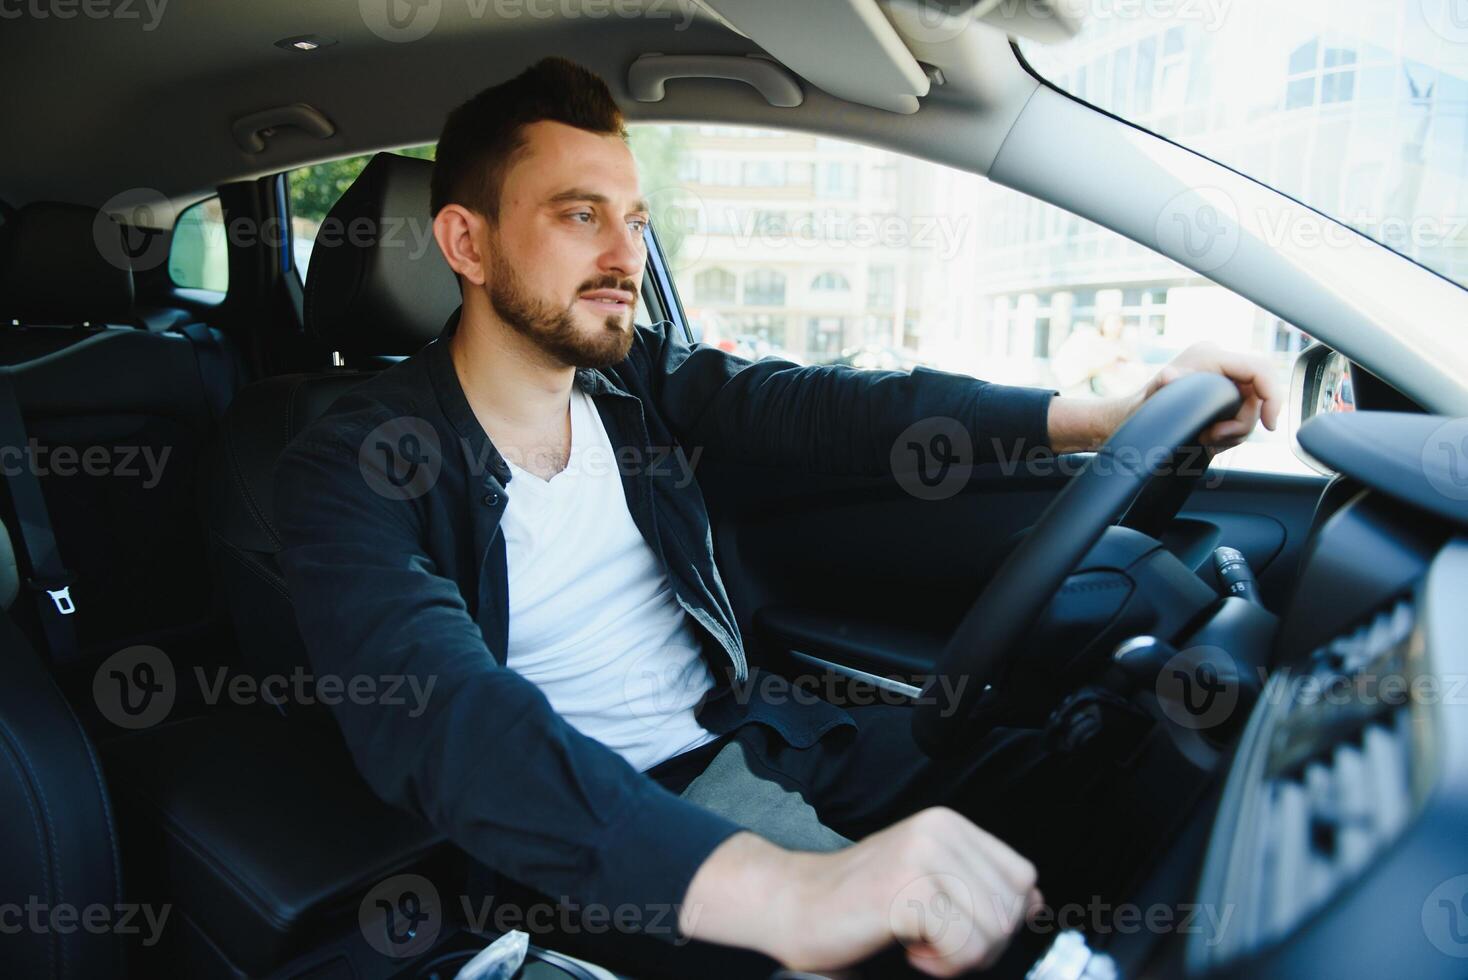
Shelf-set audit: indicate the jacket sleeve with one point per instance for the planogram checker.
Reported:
(830, 418)
(484, 758)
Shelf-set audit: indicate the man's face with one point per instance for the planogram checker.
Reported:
(566, 256)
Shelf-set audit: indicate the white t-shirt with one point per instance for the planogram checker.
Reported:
(593, 618)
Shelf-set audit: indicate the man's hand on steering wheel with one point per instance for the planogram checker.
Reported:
(1083, 424)
(1204, 394)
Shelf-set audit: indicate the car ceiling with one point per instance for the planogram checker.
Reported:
(146, 102)
(102, 109)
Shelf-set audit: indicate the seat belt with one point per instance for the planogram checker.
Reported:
(50, 581)
(214, 366)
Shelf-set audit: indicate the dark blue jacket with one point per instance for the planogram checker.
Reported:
(389, 508)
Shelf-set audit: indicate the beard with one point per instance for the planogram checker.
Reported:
(554, 330)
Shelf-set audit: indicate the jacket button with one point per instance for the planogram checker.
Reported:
(491, 499)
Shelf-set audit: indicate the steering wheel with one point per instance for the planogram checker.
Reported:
(987, 641)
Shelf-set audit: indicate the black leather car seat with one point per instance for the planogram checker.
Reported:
(368, 297)
(256, 825)
(126, 517)
(60, 856)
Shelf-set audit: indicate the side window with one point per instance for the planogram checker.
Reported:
(198, 255)
(863, 257)
(314, 191)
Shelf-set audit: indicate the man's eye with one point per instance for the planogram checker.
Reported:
(638, 225)
(578, 215)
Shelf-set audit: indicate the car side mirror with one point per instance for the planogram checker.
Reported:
(1321, 384)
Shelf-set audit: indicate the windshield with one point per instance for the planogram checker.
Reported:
(1356, 109)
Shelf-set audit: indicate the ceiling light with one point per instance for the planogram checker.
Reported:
(305, 42)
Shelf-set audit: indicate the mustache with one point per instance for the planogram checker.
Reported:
(609, 281)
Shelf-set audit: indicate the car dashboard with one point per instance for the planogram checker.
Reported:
(1334, 845)
(1337, 844)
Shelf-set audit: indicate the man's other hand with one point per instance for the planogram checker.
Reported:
(950, 893)
(1252, 373)
(1083, 424)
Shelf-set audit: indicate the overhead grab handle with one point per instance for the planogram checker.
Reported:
(649, 75)
(251, 131)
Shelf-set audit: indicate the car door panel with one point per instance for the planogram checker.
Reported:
(858, 573)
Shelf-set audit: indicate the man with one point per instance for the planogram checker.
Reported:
(584, 652)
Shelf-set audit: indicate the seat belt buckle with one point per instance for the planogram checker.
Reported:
(62, 598)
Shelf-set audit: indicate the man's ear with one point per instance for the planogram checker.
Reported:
(458, 232)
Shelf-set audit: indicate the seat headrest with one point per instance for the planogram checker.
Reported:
(378, 285)
(64, 264)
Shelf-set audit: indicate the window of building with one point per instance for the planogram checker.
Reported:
(764, 287)
(830, 282)
(715, 286)
(836, 179)
(881, 287)
(764, 173)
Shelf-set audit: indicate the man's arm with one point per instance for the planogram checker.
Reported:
(829, 418)
(484, 758)
(837, 419)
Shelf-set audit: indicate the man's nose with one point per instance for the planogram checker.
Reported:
(624, 253)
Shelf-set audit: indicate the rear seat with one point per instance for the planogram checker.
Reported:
(117, 417)
(257, 827)
(69, 856)
(51, 295)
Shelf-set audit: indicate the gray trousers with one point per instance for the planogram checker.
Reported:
(782, 816)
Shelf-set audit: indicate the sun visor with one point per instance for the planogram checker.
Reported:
(930, 21)
(874, 66)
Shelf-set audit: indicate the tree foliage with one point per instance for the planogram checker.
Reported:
(316, 188)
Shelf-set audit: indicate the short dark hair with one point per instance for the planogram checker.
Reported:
(481, 137)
